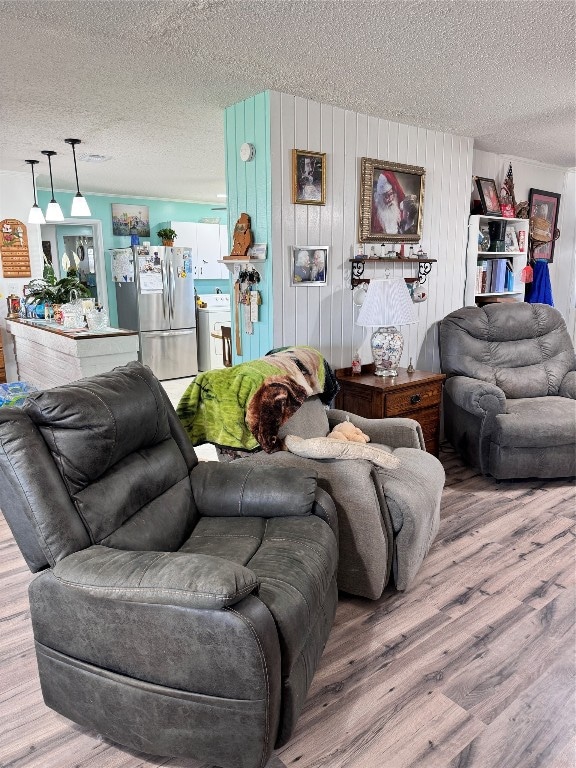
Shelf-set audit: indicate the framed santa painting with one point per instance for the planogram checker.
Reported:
(391, 202)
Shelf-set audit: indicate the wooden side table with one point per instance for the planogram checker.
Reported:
(414, 395)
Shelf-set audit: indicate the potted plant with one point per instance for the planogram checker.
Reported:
(167, 236)
(41, 292)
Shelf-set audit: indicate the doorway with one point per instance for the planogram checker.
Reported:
(74, 247)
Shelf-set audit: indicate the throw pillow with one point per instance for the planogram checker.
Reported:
(325, 448)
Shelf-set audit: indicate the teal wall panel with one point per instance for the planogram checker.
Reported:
(161, 212)
(249, 190)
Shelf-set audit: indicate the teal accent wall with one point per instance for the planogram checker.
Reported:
(160, 211)
(249, 190)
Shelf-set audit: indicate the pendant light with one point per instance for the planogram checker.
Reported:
(79, 204)
(35, 216)
(53, 212)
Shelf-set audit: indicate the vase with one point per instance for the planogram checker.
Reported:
(168, 242)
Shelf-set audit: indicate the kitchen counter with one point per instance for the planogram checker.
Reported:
(48, 354)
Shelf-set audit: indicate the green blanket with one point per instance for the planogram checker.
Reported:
(243, 407)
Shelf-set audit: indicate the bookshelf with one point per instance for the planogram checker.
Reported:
(481, 260)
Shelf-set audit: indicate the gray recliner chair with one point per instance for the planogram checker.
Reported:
(181, 608)
(510, 396)
(387, 518)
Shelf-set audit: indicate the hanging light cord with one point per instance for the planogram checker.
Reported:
(51, 182)
(75, 167)
(33, 183)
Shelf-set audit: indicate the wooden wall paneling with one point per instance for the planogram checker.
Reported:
(325, 317)
(343, 178)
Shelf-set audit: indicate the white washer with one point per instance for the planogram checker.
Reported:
(215, 314)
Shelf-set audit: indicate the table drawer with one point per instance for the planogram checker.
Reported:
(413, 399)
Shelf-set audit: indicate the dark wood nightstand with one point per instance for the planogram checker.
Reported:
(414, 395)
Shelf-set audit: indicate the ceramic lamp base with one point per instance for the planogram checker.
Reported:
(387, 344)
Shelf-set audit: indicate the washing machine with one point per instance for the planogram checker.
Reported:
(215, 314)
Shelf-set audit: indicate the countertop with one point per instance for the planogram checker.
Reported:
(72, 333)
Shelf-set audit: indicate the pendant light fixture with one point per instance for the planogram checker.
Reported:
(53, 212)
(35, 216)
(79, 204)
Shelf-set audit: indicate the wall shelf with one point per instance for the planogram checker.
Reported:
(241, 261)
(424, 267)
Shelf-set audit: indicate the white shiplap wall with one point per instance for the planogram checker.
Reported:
(531, 174)
(324, 317)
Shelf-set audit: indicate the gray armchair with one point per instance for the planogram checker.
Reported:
(181, 608)
(510, 396)
(387, 518)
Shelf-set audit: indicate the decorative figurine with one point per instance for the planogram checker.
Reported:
(410, 368)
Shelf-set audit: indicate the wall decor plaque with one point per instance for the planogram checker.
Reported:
(14, 252)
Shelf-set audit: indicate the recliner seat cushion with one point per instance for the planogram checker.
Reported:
(294, 558)
(537, 422)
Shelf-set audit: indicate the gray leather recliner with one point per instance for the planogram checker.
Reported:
(181, 608)
(510, 396)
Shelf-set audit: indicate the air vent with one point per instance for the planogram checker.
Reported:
(92, 158)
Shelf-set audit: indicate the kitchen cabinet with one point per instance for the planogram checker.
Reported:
(207, 242)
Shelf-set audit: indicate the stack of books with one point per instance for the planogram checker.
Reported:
(494, 276)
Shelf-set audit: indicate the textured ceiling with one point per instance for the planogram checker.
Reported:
(147, 82)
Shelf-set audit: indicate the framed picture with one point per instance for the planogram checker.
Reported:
(391, 202)
(544, 207)
(489, 199)
(511, 239)
(308, 177)
(309, 265)
(130, 220)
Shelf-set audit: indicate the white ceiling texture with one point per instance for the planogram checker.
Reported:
(146, 83)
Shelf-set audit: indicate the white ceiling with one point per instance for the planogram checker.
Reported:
(147, 82)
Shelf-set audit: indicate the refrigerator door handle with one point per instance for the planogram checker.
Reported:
(172, 290)
(163, 287)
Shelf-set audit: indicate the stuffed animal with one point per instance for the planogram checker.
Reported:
(347, 431)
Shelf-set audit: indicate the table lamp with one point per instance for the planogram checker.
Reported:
(386, 305)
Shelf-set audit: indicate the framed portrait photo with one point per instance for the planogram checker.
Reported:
(308, 265)
(391, 202)
(489, 199)
(308, 177)
(543, 207)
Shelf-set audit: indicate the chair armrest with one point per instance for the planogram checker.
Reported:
(568, 385)
(165, 578)
(480, 398)
(246, 490)
(395, 432)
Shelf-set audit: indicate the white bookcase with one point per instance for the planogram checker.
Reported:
(475, 256)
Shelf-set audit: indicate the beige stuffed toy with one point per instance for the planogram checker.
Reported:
(347, 431)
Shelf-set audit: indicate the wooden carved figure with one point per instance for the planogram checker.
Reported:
(242, 237)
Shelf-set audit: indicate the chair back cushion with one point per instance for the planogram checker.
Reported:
(524, 349)
(116, 472)
(310, 420)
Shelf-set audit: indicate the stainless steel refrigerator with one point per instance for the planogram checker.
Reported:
(155, 296)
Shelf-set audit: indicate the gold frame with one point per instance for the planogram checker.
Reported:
(367, 182)
(296, 198)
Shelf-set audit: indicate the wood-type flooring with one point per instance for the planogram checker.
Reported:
(471, 668)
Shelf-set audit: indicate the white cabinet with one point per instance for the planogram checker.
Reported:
(206, 242)
(481, 264)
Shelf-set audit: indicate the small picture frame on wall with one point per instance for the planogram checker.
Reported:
(489, 199)
(308, 177)
(308, 265)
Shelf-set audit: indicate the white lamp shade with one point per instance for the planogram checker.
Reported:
(54, 212)
(387, 303)
(36, 216)
(80, 206)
